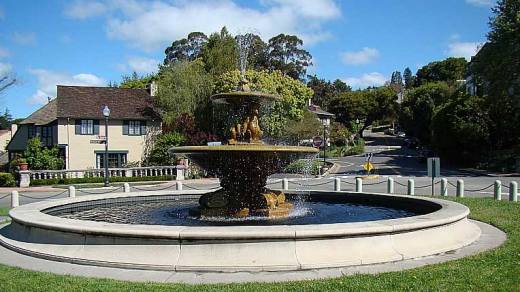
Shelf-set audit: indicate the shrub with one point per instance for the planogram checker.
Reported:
(40, 157)
(304, 166)
(357, 147)
(7, 180)
(70, 181)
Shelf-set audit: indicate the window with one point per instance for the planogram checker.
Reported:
(43, 132)
(87, 127)
(134, 128)
(115, 159)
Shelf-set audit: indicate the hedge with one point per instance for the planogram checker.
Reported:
(7, 180)
(304, 166)
(70, 181)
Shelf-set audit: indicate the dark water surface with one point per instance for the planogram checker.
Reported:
(177, 212)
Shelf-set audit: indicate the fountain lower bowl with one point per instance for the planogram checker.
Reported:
(443, 227)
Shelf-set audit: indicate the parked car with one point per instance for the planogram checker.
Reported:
(401, 134)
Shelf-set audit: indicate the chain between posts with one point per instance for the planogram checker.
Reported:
(478, 190)
(199, 189)
(1, 198)
(401, 184)
(348, 183)
(152, 188)
(377, 183)
(99, 193)
(43, 198)
(311, 185)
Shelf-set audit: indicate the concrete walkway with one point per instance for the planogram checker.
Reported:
(491, 238)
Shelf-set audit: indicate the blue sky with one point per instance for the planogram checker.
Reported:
(80, 42)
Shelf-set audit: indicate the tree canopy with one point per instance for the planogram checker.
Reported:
(183, 87)
(287, 55)
(325, 90)
(369, 105)
(186, 49)
(449, 70)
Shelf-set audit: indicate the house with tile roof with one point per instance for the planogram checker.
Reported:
(74, 122)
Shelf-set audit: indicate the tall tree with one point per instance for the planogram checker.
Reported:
(396, 82)
(220, 53)
(369, 105)
(136, 81)
(183, 87)
(187, 49)
(449, 70)
(287, 55)
(340, 86)
(497, 68)
(257, 57)
(5, 120)
(408, 78)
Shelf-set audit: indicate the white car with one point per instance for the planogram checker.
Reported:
(401, 134)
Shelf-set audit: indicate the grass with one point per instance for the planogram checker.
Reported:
(495, 270)
(4, 211)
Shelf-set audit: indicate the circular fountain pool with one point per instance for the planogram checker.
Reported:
(424, 227)
(177, 211)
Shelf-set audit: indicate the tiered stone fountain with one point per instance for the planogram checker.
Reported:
(244, 164)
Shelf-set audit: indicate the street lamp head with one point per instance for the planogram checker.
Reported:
(325, 121)
(106, 111)
(357, 121)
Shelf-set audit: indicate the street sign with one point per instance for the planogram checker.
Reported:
(97, 141)
(317, 141)
(369, 156)
(434, 167)
(368, 166)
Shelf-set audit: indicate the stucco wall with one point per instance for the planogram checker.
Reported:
(81, 152)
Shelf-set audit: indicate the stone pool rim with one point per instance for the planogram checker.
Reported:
(31, 215)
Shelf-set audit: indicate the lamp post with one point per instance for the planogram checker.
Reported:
(106, 114)
(326, 122)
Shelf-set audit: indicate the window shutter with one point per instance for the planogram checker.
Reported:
(96, 127)
(125, 127)
(143, 127)
(78, 126)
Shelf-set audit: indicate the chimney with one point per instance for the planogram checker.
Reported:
(14, 128)
(48, 99)
(153, 88)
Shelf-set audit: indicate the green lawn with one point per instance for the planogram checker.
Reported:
(496, 270)
(4, 211)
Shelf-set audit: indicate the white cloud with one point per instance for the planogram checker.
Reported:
(463, 49)
(4, 53)
(152, 25)
(365, 56)
(24, 38)
(82, 9)
(483, 3)
(47, 81)
(5, 69)
(366, 80)
(143, 65)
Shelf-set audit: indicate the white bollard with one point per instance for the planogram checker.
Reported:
(285, 184)
(513, 191)
(390, 185)
(359, 185)
(126, 187)
(444, 187)
(179, 185)
(411, 187)
(15, 199)
(72, 192)
(460, 188)
(337, 184)
(498, 190)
